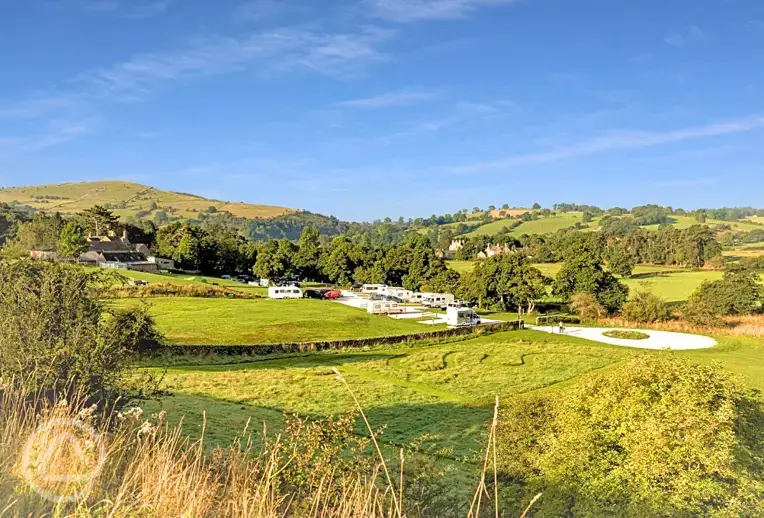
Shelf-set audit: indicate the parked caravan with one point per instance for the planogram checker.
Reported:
(399, 293)
(416, 297)
(383, 307)
(437, 300)
(461, 317)
(374, 289)
(284, 292)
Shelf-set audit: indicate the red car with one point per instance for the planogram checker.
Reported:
(333, 294)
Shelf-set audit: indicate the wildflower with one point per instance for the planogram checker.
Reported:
(147, 429)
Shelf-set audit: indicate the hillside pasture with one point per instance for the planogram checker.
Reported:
(206, 321)
(544, 225)
(129, 200)
(444, 393)
(683, 222)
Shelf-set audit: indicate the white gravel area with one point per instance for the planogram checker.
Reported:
(657, 340)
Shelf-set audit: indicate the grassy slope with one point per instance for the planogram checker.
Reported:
(444, 391)
(539, 226)
(682, 222)
(79, 196)
(260, 321)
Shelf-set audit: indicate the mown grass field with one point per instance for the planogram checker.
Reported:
(201, 321)
(444, 393)
(184, 279)
(74, 197)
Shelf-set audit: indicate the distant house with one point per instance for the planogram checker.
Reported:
(455, 245)
(117, 253)
(492, 250)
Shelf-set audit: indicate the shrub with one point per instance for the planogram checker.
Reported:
(737, 293)
(626, 335)
(646, 307)
(55, 334)
(587, 307)
(653, 437)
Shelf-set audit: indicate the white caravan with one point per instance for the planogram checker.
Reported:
(461, 317)
(384, 307)
(400, 293)
(284, 292)
(374, 289)
(417, 298)
(437, 300)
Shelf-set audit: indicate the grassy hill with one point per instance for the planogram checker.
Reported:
(128, 199)
(544, 225)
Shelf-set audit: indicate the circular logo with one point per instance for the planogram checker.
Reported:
(62, 459)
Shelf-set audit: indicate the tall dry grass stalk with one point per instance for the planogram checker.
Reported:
(61, 459)
(748, 325)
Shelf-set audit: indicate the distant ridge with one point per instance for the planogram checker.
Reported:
(127, 199)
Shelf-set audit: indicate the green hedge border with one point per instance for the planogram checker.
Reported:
(355, 343)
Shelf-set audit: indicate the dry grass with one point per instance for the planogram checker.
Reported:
(749, 325)
(65, 459)
(178, 290)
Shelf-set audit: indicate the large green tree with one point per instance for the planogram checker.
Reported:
(506, 282)
(582, 274)
(71, 241)
(98, 221)
(307, 260)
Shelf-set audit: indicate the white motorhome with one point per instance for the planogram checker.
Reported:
(437, 300)
(417, 298)
(284, 292)
(374, 289)
(461, 317)
(384, 307)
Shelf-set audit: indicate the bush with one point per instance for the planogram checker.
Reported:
(653, 437)
(626, 335)
(587, 307)
(646, 307)
(737, 293)
(55, 335)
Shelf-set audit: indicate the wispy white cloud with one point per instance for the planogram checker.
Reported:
(278, 50)
(405, 11)
(390, 99)
(54, 133)
(755, 24)
(686, 36)
(616, 141)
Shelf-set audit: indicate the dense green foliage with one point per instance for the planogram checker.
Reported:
(504, 282)
(739, 292)
(55, 334)
(645, 306)
(653, 437)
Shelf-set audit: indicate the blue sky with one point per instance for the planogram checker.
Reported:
(372, 108)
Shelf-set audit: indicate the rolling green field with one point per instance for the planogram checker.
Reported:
(682, 222)
(200, 321)
(540, 226)
(70, 198)
(672, 283)
(444, 392)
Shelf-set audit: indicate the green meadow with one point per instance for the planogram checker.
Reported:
(221, 321)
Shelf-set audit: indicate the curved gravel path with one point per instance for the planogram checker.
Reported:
(657, 340)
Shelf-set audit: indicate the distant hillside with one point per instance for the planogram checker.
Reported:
(131, 200)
